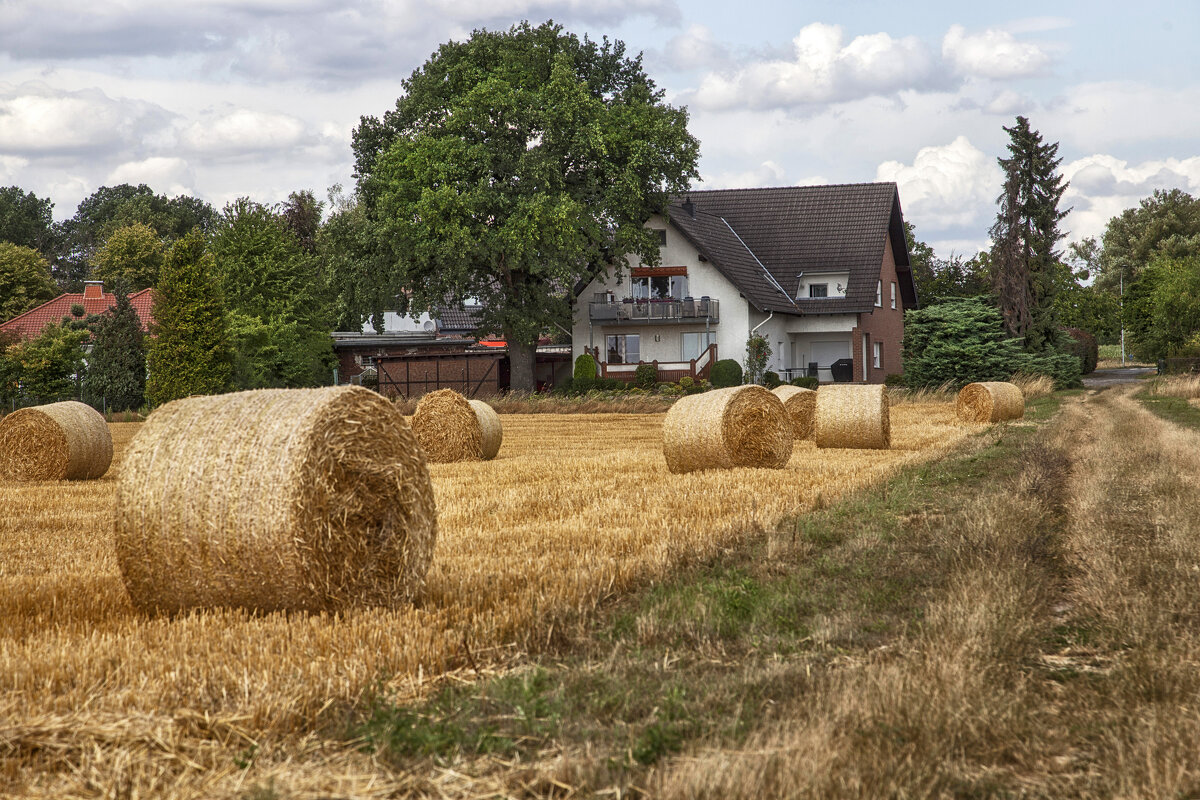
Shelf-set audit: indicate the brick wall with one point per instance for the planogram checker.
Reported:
(883, 325)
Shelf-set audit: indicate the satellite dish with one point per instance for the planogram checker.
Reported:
(430, 326)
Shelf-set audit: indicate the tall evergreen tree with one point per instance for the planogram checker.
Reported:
(116, 375)
(1024, 259)
(190, 352)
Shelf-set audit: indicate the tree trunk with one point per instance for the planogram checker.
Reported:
(520, 362)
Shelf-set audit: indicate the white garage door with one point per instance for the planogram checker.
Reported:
(825, 353)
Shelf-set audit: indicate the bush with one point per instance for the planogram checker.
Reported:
(958, 342)
(686, 382)
(805, 382)
(584, 377)
(726, 372)
(1083, 345)
(1064, 368)
(645, 376)
(895, 380)
(771, 379)
(610, 385)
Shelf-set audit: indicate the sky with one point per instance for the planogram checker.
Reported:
(228, 98)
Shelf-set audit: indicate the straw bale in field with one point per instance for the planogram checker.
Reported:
(740, 426)
(60, 441)
(449, 427)
(990, 401)
(801, 404)
(277, 499)
(853, 416)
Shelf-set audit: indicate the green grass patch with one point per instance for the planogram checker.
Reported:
(1172, 409)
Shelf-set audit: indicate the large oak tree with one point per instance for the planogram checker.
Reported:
(517, 166)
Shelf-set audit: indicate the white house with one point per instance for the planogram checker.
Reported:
(821, 271)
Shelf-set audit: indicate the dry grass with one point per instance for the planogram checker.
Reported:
(1034, 386)
(574, 510)
(1184, 386)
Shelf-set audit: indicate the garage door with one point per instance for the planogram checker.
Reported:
(825, 353)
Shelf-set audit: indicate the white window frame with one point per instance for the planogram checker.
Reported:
(893, 294)
(877, 354)
(879, 293)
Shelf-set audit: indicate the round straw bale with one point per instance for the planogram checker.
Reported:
(853, 416)
(800, 404)
(60, 441)
(990, 401)
(740, 426)
(277, 499)
(449, 427)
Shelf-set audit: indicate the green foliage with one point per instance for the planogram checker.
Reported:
(758, 351)
(1083, 346)
(1064, 368)
(49, 366)
(958, 342)
(645, 376)
(10, 368)
(726, 372)
(1025, 266)
(113, 207)
(301, 216)
(771, 379)
(190, 352)
(517, 164)
(26, 219)
(132, 257)
(116, 374)
(25, 280)
(585, 373)
(1166, 224)
(894, 379)
(687, 382)
(805, 382)
(358, 271)
(280, 314)
(1162, 308)
(941, 279)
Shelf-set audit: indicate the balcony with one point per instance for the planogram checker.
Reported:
(688, 309)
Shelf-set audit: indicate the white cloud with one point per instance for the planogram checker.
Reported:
(1008, 103)
(1102, 186)
(768, 173)
(949, 185)
(695, 48)
(171, 176)
(243, 131)
(37, 119)
(823, 70)
(992, 54)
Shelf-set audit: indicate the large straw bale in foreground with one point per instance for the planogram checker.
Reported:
(741, 426)
(279, 499)
(60, 441)
(990, 401)
(853, 416)
(449, 427)
(801, 404)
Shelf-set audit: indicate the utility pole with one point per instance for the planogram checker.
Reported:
(1121, 305)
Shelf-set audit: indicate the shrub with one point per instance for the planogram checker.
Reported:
(584, 377)
(1083, 345)
(958, 342)
(686, 382)
(610, 385)
(805, 382)
(1064, 368)
(645, 376)
(771, 379)
(726, 372)
(895, 380)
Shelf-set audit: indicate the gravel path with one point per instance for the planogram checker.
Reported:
(1112, 377)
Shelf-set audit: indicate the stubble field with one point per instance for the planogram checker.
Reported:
(97, 700)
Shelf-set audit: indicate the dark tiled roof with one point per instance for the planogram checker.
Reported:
(458, 320)
(795, 229)
(30, 324)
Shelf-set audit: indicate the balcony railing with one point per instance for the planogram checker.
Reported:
(689, 310)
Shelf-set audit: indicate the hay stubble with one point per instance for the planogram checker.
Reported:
(579, 509)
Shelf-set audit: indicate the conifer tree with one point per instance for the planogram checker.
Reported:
(116, 375)
(190, 352)
(1024, 259)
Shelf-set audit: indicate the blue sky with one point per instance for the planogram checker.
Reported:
(221, 98)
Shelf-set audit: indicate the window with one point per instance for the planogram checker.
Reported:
(660, 235)
(623, 348)
(696, 343)
(818, 290)
(879, 294)
(877, 353)
(660, 287)
(893, 294)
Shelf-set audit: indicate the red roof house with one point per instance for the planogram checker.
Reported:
(94, 301)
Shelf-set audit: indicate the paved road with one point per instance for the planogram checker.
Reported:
(1111, 377)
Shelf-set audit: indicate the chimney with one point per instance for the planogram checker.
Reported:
(93, 290)
(689, 207)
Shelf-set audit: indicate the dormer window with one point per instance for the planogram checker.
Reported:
(818, 290)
